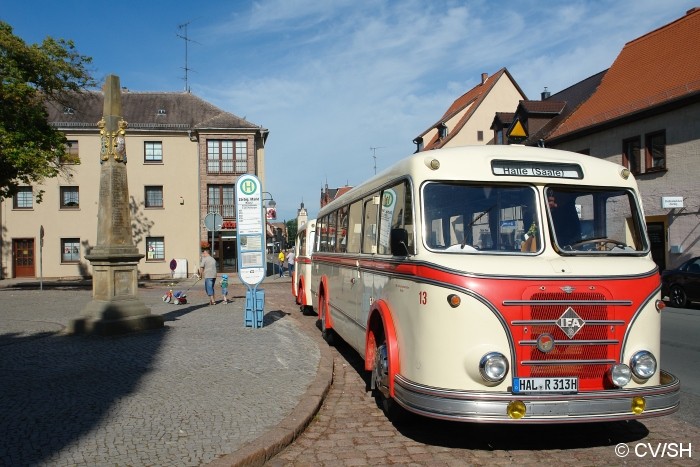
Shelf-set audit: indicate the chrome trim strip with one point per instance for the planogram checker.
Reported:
(491, 407)
(567, 362)
(568, 302)
(592, 322)
(575, 342)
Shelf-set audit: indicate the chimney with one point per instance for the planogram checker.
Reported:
(545, 94)
(483, 77)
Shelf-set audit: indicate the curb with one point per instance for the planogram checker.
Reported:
(265, 447)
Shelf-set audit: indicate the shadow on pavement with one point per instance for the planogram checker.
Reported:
(271, 316)
(181, 310)
(57, 388)
(489, 437)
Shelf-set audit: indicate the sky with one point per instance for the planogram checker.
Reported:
(343, 86)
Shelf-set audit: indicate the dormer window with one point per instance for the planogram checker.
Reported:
(68, 110)
(161, 112)
(442, 130)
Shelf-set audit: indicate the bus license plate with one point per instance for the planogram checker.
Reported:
(566, 385)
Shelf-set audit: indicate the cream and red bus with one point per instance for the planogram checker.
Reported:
(301, 278)
(497, 284)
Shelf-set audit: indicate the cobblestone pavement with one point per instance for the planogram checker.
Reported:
(190, 393)
(351, 430)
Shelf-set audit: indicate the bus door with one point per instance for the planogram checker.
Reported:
(365, 275)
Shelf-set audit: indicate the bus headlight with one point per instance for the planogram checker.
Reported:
(620, 374)
(493, 367)
(643, 364)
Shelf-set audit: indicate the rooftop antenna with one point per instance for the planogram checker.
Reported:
(374, 156)
(187, 40)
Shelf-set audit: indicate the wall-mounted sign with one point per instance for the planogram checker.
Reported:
(670, 202)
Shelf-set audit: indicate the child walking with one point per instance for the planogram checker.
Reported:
(224, 287)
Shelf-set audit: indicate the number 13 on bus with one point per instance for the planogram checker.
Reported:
(504, 284)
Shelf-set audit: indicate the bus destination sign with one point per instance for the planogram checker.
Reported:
(536, 169)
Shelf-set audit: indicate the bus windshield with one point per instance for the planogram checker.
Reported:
(468, 218)
(594, 220)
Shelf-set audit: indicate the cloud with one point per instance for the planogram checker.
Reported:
(335, 79)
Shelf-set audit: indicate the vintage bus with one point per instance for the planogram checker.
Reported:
(301, 278)
(497, 284)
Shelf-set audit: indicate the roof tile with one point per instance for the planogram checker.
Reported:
(655, 68)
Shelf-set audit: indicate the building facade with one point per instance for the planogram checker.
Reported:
(468, 120)
(184, 156)
(645, 115)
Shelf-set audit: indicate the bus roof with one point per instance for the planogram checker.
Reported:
(496, 163)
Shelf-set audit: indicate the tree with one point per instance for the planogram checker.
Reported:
(292, 228)
(31, 75)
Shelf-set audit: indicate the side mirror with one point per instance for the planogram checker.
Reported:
(399, 242)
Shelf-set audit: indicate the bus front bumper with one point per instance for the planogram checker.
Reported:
(492, 407)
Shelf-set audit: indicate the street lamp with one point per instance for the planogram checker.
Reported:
(270, 212)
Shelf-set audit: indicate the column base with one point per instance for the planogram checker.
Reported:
(118, 316)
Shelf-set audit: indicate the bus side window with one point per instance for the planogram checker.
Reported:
(408, 218)
(331, 230)
(369, 234)
(322, 232)
(354, 227)
(394, 215)
(342, 230)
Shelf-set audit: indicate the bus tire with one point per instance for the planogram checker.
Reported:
(380, 375)
(300, 296)
(327, 333)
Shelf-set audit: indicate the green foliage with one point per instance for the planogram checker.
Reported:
(292, 229)
(30, 147)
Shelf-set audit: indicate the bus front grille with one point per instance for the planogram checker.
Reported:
(584, 334)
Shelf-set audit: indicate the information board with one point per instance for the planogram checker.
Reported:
(251, 230)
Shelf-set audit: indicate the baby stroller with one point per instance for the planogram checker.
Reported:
(178, 297)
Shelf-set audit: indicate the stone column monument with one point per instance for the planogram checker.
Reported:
(115, 307)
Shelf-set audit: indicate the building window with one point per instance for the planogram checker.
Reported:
(24, 199)
(219, 156)
(155, 248)
(631, 154)
(479, 135)
(655, 151)
(220, 199)
(72, 154)
(241, 156)
(153, 151)
(70, 250)
(154, 196)
(70, 198)
(227, 156)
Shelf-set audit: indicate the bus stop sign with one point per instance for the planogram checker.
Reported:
(251, 230)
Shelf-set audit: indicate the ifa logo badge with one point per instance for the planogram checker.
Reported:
(570, 322)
